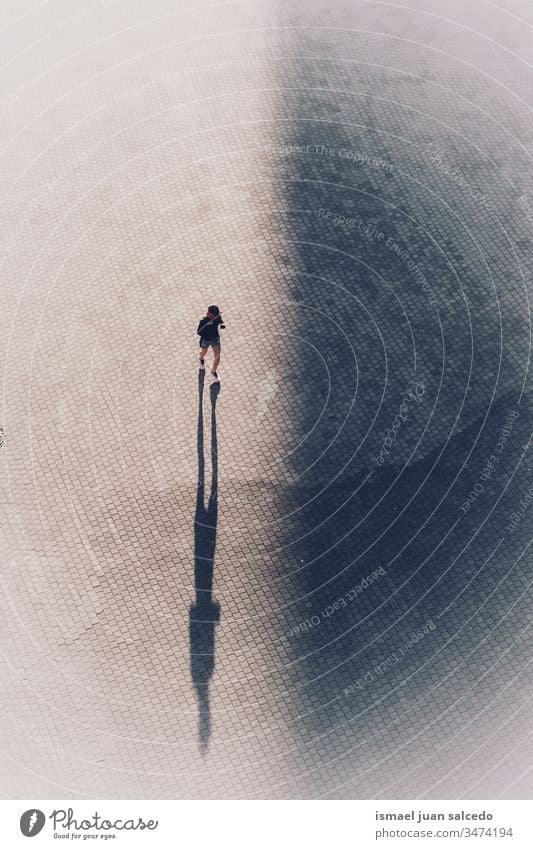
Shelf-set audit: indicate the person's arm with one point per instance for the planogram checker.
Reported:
(222, 325)
(202, 322)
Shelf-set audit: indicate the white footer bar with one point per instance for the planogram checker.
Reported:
(262, 824)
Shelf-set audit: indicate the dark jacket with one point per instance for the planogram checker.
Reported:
(209, 327)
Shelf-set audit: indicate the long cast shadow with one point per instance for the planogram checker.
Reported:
(204, 613)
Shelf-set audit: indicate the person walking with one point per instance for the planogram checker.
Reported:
(208, 331)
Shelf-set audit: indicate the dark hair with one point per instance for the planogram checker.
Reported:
(214, 310)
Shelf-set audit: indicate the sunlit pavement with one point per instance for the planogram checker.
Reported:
(312, 580)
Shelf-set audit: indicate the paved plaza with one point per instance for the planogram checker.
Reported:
(313, 579)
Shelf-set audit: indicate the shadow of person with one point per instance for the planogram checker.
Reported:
(204, 613)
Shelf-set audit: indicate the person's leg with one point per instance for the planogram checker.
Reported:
(203, 352)
(216, 353)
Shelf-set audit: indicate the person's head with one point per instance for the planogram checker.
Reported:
(213, 311)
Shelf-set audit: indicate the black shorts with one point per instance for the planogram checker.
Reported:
(205, 343)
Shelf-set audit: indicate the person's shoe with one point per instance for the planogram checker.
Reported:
(215, 377)
(202, 363)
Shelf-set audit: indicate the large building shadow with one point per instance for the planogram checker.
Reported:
(393, 281)
(204, 613)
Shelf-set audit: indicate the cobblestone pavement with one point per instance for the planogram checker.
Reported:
(315, 580)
